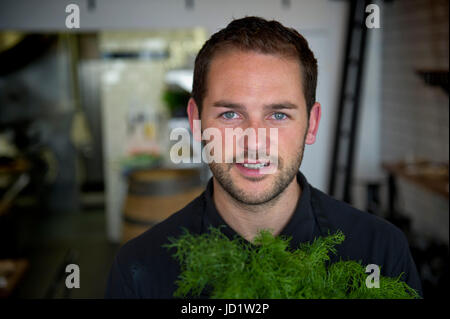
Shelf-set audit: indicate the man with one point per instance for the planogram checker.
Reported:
(258, 74)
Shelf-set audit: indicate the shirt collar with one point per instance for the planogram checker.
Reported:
(301, 227)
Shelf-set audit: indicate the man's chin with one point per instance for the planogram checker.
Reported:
(249, 197)
(252, 190)
(248, 188)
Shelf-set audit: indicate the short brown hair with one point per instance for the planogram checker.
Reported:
(259, 35)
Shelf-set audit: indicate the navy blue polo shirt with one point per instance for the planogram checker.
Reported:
(143, 268)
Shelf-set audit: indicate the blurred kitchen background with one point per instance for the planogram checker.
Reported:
(86, 114)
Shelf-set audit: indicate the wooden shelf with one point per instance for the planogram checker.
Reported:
(435, 78)
(430, 176)
(12, 271)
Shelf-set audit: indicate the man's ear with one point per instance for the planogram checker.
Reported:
(193, 114)
(314, 119)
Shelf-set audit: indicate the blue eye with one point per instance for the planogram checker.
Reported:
(229, 115)
(279, 116)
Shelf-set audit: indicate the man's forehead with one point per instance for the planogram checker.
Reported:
(239, 76)
(253, 68)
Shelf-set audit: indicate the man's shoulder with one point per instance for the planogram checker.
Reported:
(143, 266)
(368, 238)
(349, 219)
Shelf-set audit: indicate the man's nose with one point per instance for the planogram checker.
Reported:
(258, 140)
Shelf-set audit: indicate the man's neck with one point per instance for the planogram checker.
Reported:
(248, 220)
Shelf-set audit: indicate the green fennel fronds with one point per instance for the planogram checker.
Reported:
(268, 268)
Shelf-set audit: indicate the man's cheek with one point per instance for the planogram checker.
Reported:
(229, 148)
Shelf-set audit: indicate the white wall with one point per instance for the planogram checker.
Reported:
(138, 14)
(323, 22)
(367, 150)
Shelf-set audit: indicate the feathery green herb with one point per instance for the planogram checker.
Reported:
(269, 269)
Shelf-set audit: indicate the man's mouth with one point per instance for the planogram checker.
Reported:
(253, 170)
(255, 166)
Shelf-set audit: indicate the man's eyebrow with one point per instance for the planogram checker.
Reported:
(229, 105)
(280, 106)
(272, 106)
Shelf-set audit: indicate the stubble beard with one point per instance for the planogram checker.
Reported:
(284, 175)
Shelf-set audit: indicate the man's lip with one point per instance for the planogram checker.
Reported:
(253, 162)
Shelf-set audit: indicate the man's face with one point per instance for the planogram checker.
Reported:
(254, 90)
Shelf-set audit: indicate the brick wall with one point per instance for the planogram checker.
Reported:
(414, 116)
